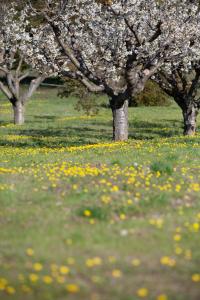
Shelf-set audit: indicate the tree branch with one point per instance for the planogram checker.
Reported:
(5, 91)
(157, 32)
(69, 53)
(32, 87)
(11, 85)
(133, 31)
(195, 83)
(161, 79)
(183, 79)
(19, 67)
(89, 85)
(5, 71)
(25, 75)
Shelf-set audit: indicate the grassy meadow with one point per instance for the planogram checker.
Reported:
(83, 218)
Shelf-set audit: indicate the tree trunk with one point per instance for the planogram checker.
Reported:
(120, 121)
(189, 116)
(18, 109)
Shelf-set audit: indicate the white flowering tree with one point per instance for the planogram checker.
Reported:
(182, 84)
(116, 46)
(14, 53)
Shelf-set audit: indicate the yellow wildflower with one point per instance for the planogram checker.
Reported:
(29, 251)
(142, 292)
(116, 273)
(168, 261)
(195, 227)
(72, 288)
(47, 279)
(10, 290)
(122, 216)
(87, 213)
(196, 277)
(177, 237)
(37, 267)
(33, 277)
(129, 201)
(135, 262)
(178, 250)
(115, 188)
(89, 262)
(64, 270)
(3, 283)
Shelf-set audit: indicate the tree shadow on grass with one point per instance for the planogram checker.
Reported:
(148, 130)
(160, 124)
(57, 138)
(3, 123)
(95, 132)
(42, 117)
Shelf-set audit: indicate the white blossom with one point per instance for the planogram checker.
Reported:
(126, 39)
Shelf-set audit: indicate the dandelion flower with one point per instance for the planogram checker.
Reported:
(29, 251)
(72, 288)
(162, 297)
(116, 273)
(142, 292)
(196, 277)
(10, 290)
(47, 279)
(87, 213)
(135, 262)
(64, 270)
(33, 277)
(37, 267)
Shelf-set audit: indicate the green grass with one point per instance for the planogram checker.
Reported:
(78, 200)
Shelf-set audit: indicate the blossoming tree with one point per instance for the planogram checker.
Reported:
(116, 46)
(182, 83)
(14, 53)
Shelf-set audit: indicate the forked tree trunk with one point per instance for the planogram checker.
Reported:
(18, 109)
(189, 117)
(120, 121)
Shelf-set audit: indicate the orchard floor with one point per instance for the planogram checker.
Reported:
(84, 218)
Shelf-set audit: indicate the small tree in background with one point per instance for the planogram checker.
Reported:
(86, 99)
(152, 95)
(116, 47)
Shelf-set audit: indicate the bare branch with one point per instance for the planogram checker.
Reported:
(195, 83)
(12, 84)
(133, 31)
(5, 71)
(19, 67)
(35, 83)
(5, 91)
(89, 85)
(25, 75)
